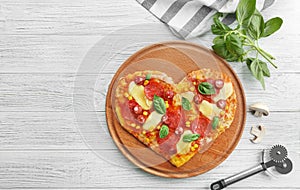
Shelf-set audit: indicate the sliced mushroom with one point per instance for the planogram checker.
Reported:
(259, 109)
(258, 133)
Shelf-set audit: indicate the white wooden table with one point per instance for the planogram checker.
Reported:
(42, 45)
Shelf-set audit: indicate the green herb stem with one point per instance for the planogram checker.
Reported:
(269, 55)
(262, 53)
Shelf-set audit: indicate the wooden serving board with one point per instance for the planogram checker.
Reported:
(176, 59)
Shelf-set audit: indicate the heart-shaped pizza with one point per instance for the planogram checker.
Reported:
(175, 120)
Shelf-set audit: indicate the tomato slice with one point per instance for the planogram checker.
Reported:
(154, 88)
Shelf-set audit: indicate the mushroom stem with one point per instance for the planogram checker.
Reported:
(258, 114)
(258, 133)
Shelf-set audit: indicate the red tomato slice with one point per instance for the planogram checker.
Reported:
(154, 88)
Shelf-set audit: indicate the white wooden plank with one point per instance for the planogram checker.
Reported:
(47, 92)
(62, 131)
(64, 54)
(141, 188)
(71, 169)
(69, 17)
(96, 17)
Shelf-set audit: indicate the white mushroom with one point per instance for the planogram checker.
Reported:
(258, 133)
(259, 109)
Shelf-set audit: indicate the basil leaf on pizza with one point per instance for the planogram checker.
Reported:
(164, 131)
(206, 88)
(148, 76)
(186, 105)
(159, 105)
(190, 137)
(215, 122)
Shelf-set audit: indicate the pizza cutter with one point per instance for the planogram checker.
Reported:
(279, 160)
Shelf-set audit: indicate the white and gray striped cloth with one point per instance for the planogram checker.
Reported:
(191, 18)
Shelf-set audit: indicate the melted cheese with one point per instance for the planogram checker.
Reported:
(225, 92)
(184, 147)
(188, 95)
(152, 121)
(209, 110)
(137, 92)
(177, 100)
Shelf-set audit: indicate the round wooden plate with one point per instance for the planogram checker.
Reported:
(176, 59)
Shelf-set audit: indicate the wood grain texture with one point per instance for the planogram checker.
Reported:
(42, 44)
(76, 169)
(61, 131)
(63, 54)
(79, 17)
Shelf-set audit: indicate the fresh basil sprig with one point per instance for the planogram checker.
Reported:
(159, 105)
(190, 137)
(164, 131)
(206, 88)
(239, 43)
(186, 105)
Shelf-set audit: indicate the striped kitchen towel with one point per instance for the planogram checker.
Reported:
(191, 18)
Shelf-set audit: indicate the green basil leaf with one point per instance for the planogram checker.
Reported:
(256, 25)
(148, 76)
(249, 61)
(221, 50)
(234, 45)
(257, 71)
(206, 88)
(190, 137)
(219, 40)
(159, 105)
(215, 122)
(255, 68)
(244, 11)
(218, 27)
(186, 105)
(164, 131)
(272, 26)
(264, 68)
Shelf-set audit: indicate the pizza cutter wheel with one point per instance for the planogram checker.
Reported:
(279, 160)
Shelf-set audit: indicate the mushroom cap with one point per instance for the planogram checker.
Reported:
(260, 107)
